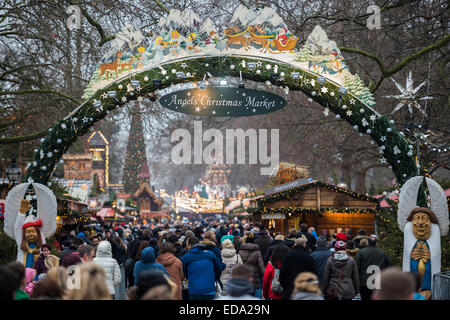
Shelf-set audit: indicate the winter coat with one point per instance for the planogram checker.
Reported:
(104, 259)
(349, 285)
(39, 265)
(201, 268)
(269, 273)
(119, 253)
(251, 256)
(212, 246)
(320, 256)
(146, 263)
(298, 260)
(264, 242)
(174, 266)
(266, 257)
(371, 256)
(229, 258)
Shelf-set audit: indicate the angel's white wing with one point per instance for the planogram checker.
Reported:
(12, 206)
(46, 209)
(407, 199)
(438, 204)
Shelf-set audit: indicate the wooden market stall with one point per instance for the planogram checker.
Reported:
(321, 205)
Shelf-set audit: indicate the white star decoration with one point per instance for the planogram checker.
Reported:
(197, 109)
(259, 64)
(163, 72)
(349, 113)
(183, 65)
(383, 138)
(268, 83)
(352, 101)
(49, 155)
(140, 99)
(324, 89)
(28, 198)
(104, 95)
(85, 119)
(124, 99)
(383, 160)
(408, 96)
(268, 66)
(372, 117)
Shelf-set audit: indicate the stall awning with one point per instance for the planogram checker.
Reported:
(105, 212)
(152, 214)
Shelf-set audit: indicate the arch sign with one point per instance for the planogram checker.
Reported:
(188, 51)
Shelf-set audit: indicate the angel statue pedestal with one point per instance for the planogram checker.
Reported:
(29, 231)
(422, 229)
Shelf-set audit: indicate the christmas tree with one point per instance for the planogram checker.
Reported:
(356, 86)
(304, 54)
(136, 154)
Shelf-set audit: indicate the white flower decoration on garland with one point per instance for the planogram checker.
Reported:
(312, 82)
(396, 150)
(163, 72)
(275, 69)
(364, 122)
(326, 112)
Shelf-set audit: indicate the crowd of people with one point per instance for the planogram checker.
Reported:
(208, 260)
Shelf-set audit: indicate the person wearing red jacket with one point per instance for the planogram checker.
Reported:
(278, 254)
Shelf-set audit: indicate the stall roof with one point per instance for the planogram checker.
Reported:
(105, 212)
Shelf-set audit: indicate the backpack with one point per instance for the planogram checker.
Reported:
(276, 285)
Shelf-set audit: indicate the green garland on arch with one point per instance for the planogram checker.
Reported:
(396, 149)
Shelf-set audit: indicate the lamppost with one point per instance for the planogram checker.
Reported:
(13, 173)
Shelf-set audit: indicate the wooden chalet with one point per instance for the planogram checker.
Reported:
(323, 206)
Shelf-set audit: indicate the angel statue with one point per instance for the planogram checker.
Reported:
(29, 231)
(422, 228)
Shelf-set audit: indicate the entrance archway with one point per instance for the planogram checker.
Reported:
(280, 69)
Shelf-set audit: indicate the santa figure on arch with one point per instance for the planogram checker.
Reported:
(422, 228)
(30, 217)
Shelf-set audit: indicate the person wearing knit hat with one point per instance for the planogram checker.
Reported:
(341, 236)
(340, 278)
